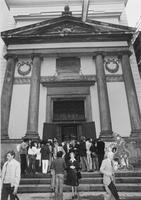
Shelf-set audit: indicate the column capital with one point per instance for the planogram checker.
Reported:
(120, 54)
(37, 55)
(101, 53)
(8, 56)
(112, 53)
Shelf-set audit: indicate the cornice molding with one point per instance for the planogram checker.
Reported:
(68, 81)
(66, 51)
(49, 81)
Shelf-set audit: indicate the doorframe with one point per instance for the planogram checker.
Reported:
(87, 105)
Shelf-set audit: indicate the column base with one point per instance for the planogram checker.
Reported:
(4, 137)
(136, 133)
(32, 135)
(4, 134)
(106, 135)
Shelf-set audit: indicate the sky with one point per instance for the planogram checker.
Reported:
(133, 11)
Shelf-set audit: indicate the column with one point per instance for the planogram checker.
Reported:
(105, 116)
(133, 105)
(33, 109)
(7, 95)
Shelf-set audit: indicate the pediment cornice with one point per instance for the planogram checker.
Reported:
(66, 28)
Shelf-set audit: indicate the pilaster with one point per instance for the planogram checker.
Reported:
(33, 109)
(105, 116)
(6, 97)
(133, 105)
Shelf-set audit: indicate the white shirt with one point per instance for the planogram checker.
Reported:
(107, 170)
(88, 145)
(11, 173)
(32, 151)
(38, 157)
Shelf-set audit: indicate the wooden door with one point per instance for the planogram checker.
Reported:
(49, 131)
(69, 132)
(88, 130)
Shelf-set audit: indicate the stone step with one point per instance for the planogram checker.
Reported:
(82, 196)
(90, 174)
(124, 187)
(89, 180)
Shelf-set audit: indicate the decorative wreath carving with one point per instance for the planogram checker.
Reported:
(112, 65)
(24, 68)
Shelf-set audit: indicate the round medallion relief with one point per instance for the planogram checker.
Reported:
(24, 68)
(111, 65)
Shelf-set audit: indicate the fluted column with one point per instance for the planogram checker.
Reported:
(133, 105)
(7, 96)
(33, 109)
(105, 116)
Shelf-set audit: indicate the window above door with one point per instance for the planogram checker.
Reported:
(68, 110)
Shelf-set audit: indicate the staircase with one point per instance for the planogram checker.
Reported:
(90, 187)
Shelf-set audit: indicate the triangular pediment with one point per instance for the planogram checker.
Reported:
(65, 26)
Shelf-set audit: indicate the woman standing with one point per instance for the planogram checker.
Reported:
(73, 168)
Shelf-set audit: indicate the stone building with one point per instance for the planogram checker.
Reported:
(70, 71)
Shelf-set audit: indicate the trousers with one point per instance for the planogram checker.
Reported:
(7, 191)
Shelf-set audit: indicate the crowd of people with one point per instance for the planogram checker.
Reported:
(67, 158)
(37, 156)
(64, 161)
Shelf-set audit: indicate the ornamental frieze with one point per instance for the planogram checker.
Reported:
(114, 78)
(19, 80)
(51, 79)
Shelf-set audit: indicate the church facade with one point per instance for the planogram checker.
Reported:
(66, 77)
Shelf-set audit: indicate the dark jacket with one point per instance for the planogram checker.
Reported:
(45, 152)
(58, 165)
(100, 147)
(82, 149)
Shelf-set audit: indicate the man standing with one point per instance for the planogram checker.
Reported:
(83, 155)
(59, 166)
(11, 172)
(107, 169)
(23, 155)
(100, 151)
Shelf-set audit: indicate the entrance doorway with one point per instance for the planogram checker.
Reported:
(69, 119)
(69, 132)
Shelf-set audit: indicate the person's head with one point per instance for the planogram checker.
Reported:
(26, 140)
(91, 140)
(32, 144)
(110, 155)
(59, 154)
(10, 155)
(82, 139)
(117, 160)
(114, 149)
(54, 140)
(72, 155)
